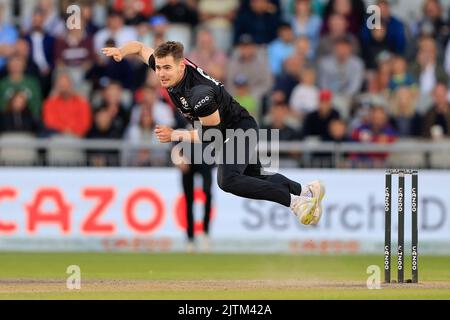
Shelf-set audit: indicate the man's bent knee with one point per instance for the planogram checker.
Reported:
(227, 183)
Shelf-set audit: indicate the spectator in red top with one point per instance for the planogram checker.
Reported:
(144, 7)
(65, 111)
(134, 11)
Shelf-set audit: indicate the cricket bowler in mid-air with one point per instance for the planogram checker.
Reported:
(201, 98)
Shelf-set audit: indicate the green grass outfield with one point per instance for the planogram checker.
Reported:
(212, 276)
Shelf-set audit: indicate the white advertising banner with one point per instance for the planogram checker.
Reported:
(142, 209)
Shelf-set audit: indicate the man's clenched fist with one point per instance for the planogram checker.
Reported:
(163, 133)
(113, 52)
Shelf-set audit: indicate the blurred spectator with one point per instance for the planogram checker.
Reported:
(105, 70)
(112, 102)
(65, 111)
(52, 24)
(244, 96)
(293, 66)
(376, 45)
(205, 54)
(217, 16)
(290, 76)
(436, 123)
(316, 122)
(129, 7)
(134, 12)
(302, 49)
(288, 7)
(362, 107)
(427, 69)
(338, 29)
(407, 120)
(22, 49)
(341, 72)
(376, 130)
(378, 82)
(143, 131)
(271, 6)
(42, 45)
(89, 25)
(103, 128)
(305, 23)
(395, 30)
(432, 23)
(337, 131)
(250, 61)
(161, 112)
(17, 80)
(144, 117)
(177, 11)
(352, 10)
(116, 30)
(281, 48)
(100, 10)
(75, 52)
(261, 22)
(278, 119)
(17, 116)
(305, 97)
(400, 75)
(156, 34)
(8, 37)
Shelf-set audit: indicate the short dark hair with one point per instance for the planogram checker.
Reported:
(284, 25)
(170, 48)
(344, 39)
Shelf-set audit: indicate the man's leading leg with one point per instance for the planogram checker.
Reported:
(246, 180)
(188, 188)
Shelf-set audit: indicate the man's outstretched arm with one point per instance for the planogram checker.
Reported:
(130, 48)
(166, 134)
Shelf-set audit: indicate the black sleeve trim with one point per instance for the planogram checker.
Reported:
(151, 62)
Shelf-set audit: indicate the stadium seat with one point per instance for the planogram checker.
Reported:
(406, 160)
(12, 154)
(440, 160)
(70, 154)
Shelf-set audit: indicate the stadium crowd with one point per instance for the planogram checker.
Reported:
(311, 68)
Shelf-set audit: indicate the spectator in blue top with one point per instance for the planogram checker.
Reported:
(281, 48)
(305, 23)
(400, 77)
(8, 37)
(261, 22)
(395, 29)
(42, 46)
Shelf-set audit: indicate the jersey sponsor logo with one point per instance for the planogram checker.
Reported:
(202, 102)
(184, 103)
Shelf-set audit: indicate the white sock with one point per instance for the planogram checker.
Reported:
(293, 197)
(306, 192)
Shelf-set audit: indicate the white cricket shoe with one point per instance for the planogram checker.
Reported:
(317, 189)
(303, 207)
